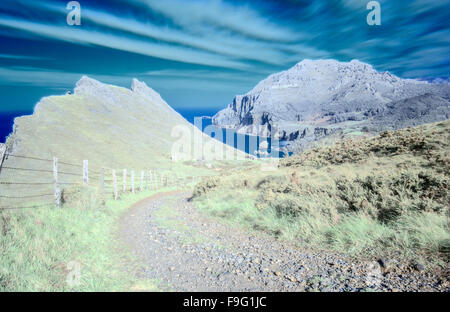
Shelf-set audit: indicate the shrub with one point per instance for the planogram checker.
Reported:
(82, 197)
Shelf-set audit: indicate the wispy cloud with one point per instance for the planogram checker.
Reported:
(218, 43)
(238, 18)
(21, 57)
(117, 42)
(42, 77)
(200, 74)
(159, 80)
(214, 40)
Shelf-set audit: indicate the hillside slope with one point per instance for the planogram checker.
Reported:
(111, 127)
(387, 196)
(108, 125)
(99, 122)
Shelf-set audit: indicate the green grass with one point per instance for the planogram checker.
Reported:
(37, 246)
(386, 196)
(111, 127)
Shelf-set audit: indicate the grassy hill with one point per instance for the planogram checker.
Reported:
(383, 196)
(111, 127)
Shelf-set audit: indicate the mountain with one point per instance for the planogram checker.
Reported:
(110, 126)
(316, 99)
(101, 122)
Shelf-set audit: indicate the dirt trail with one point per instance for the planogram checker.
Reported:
(187, 250)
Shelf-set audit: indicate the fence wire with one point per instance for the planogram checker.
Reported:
(25, 181)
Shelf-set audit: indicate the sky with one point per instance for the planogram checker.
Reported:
(199, 54)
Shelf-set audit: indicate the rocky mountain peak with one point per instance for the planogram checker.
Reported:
(326, 93)
(140, 87)
(87, 84)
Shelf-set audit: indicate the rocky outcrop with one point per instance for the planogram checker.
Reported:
(414, 111)
(328, 94)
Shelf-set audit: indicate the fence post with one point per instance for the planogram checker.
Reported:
(114, 184)
(146, 180)
(2, 155)
(152, 186)
(55, 180)
(85, 172)
(141, 187)
(132, 181)
(124, 181)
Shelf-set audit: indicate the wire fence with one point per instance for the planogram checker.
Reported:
(35, 182)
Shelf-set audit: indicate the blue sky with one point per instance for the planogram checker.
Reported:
(199, 54)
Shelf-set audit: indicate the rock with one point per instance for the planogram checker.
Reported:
(277, 273)
(419, 266)
(291, 279)
(388, 265)
(335, 92)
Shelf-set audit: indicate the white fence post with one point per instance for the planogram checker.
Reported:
(141, 187)
(85, 172)
(55, 180)
(2, 154)
(115, 184)
(132, 181)
(124, 181)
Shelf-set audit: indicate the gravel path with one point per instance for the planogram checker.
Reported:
(186, 250)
